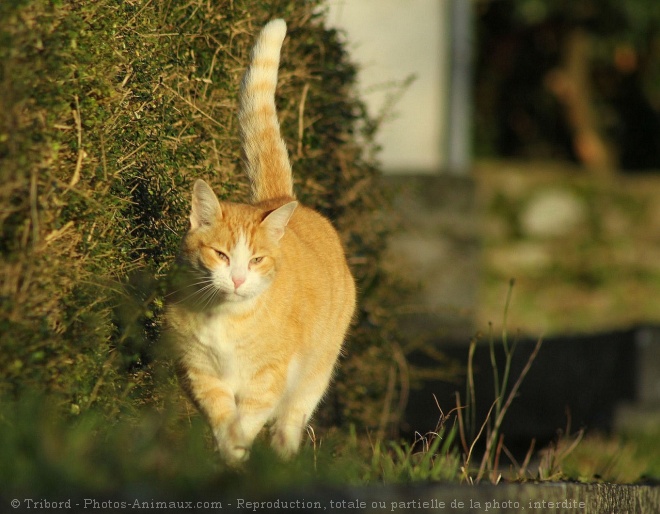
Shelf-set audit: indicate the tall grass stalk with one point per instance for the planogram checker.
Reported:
(492, 425)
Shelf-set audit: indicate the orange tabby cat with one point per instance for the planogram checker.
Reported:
(265, 296)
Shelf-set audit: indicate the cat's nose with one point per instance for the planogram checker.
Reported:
(237, 281)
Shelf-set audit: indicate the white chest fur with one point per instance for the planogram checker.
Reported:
(226, 345)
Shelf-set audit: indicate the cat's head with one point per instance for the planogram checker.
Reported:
(231, 249)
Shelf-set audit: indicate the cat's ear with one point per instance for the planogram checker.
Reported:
(276, 221)
(205, 205)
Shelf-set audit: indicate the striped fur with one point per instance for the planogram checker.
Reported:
(266, 158)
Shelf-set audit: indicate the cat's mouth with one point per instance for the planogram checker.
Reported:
(237, 296)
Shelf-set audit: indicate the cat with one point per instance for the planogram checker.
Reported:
(264, 295)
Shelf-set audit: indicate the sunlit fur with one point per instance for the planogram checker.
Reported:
(263, 296)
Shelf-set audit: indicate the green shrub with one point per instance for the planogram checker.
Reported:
(109, 112)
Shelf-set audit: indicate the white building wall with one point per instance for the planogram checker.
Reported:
(391, 40)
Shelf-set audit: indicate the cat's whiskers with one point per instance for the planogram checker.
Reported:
(202, 291)
(204, 280)
(209, 295)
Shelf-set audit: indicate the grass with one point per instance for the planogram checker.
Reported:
(45, 453)
(48, 452)
(492, 425)
(625, 458)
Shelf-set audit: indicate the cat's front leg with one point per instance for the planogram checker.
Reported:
(296, 410)
(217, 401)
(258, 399)
(287, 431)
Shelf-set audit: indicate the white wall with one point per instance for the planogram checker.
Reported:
(390, 40)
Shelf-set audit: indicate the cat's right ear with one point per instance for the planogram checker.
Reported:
(205, 205)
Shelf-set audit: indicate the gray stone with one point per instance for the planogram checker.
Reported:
(553, 213)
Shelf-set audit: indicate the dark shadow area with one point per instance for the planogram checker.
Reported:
(577, 381)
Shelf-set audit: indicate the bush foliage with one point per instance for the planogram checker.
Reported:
(109, 112)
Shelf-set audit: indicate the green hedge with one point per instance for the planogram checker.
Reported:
(109, 112)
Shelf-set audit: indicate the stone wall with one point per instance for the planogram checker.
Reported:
(584, 250)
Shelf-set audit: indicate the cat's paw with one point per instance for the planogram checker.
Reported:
(285, 443)
(232, 446)
(236, 455)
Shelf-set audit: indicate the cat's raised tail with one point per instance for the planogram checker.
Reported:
(265, 155)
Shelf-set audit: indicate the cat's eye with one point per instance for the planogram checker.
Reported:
(223, 256)
(256, 260)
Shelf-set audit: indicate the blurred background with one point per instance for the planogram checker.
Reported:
(544, 79)
(551, 109)
(522, 141)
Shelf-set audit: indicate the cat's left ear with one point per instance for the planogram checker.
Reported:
(276, 221)
(205, 205)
